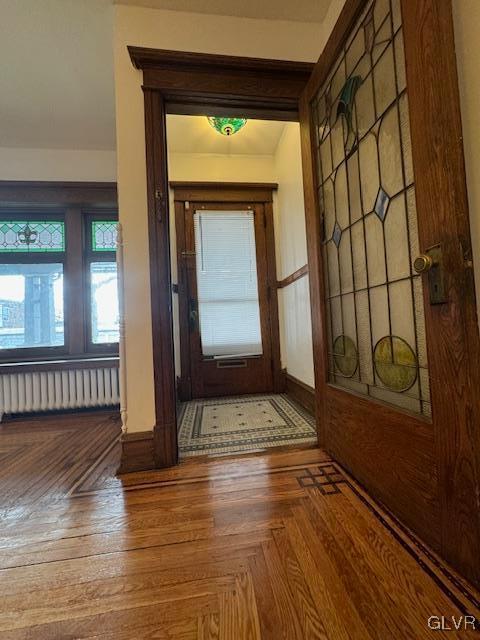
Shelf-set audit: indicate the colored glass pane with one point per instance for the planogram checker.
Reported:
(104, 235)
(31, 236)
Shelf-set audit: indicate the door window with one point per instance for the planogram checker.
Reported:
(375, 312)
(227, 288)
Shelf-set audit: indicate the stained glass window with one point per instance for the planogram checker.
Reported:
(104, 235)
(31, 236)
(375, 313)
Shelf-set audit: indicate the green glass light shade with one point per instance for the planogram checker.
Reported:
(226, 126)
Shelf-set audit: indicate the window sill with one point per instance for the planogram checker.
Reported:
(59, 365)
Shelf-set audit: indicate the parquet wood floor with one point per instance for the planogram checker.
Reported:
(278, 545)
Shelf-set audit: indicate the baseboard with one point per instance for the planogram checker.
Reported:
(300, 392)
(148, 450)
(137, 452)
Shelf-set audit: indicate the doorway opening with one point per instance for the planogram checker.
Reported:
(240, 299)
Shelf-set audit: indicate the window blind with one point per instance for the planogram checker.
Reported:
(227, 287)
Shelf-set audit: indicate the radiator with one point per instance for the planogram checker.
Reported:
(50, 390)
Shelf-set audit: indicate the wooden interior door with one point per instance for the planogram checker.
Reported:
(222, 362)
(396, 344)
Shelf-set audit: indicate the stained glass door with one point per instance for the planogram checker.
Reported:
(374, 297)
(396, 343)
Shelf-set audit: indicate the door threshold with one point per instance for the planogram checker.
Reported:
(284, 448)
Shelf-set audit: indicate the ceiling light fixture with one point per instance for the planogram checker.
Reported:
(226, 126)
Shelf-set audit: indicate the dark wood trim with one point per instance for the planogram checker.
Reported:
(146, 58)
(223, 191)
(204, 103)
(193, 83)
(58, 193)
(293, 277)
(227, 88)
(184, 380)
(165, 445)
(138, 452)
(229, 107)
(75, 290)
(302, 393)
(278, 378)
(59, 365)
(315, 266)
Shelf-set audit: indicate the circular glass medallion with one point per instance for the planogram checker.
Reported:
(345, 355)
(395, 363)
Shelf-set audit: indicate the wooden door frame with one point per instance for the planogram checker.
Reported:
(195, 84)
(438, 159)
(219, 192)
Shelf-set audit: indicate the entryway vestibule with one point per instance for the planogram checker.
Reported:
(227, 298)
(424, 467)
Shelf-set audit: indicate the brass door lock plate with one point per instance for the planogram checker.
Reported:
(431, 263)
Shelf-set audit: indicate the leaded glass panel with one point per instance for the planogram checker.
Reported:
(375, 313)
(104, 235)
(29, 236)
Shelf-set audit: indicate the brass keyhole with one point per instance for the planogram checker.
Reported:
(431, 264)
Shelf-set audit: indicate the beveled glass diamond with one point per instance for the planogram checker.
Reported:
(381, 204)
(337, 234)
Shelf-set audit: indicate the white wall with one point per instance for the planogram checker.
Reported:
(185, 32)
(57, 164)
(291, 251)
(466, 14)
(206, 167)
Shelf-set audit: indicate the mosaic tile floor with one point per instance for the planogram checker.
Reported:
(245, 423)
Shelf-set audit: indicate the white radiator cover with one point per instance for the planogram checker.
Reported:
(50, 390)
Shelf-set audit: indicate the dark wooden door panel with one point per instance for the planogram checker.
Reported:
(206, 376)
(423, 467)
(392, 455)
(236, 376)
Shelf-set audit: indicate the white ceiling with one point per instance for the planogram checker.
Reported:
(56, 82)
(298, 10)
(193, 134)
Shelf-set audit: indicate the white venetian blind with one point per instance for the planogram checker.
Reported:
(227, 287)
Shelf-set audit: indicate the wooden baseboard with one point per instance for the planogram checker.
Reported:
(147, 450)
(300, 392)
(137, 452)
